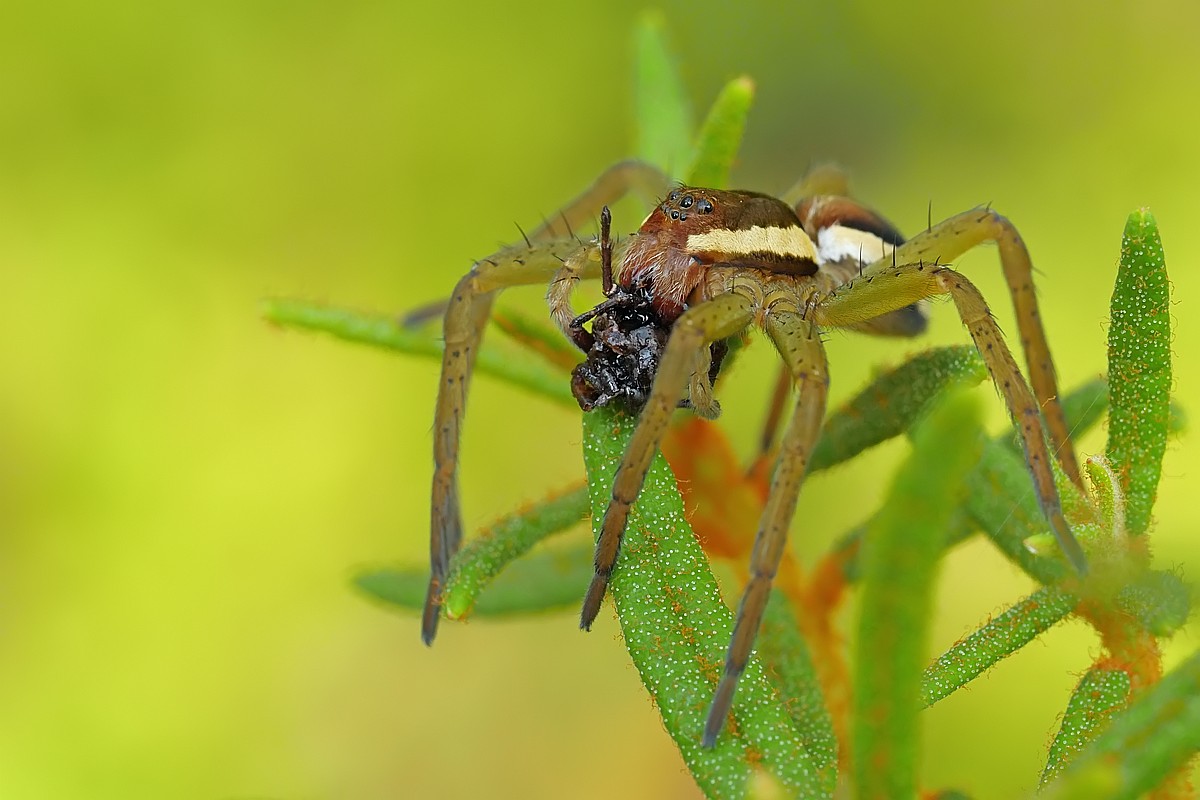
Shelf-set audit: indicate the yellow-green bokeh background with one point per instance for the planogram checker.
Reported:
(184, 490)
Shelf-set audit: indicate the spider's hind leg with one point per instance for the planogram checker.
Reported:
(882, 290)
(945, 242)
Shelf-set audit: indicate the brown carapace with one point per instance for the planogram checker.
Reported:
(704, 266)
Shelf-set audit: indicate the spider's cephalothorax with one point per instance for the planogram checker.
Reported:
(627, 338)
(693, 229)
(703, 267)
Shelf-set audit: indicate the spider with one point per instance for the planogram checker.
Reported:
(704, 266)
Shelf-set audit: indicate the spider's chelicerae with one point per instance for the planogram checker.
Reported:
(705, 265)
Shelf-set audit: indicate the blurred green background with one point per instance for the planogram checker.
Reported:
(184, 491)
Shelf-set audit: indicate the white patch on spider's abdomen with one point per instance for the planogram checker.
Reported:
(839, 243)
(790, 242)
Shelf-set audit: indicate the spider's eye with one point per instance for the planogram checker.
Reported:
(686, 202)
(674, 215)
(705, 207)
(674, 195)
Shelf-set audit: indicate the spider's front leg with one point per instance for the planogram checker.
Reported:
(799, 343)
(693, 332)
(466, 318)
(551, 248)
(879, 291)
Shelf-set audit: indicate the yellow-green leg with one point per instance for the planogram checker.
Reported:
(948, 240)
(698, 327)
(880, 291)
(465, 318)
(799, 343)
(551, 251)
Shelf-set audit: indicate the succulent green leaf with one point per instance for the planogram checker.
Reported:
(1142, 745)
(1139, 368)
(789, 665)
(488, 576)
(721, 135)
(483, 557)
(548, 580)
(661, 107)
(997, 639)
(899, 562)
(1100, 694)
(1160, 601)
(894, 401)
(1001, 501)
(676, 628)
(381, 331)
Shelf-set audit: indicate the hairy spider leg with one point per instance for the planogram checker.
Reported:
(949, 239)
(465, 320)
(550, 248)
(695, 330)
(799, 344)
(775, 408)
(648, 182)
(820, 179)
(879, 291)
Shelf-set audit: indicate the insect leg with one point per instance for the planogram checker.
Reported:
(799, 343)
(695, 330)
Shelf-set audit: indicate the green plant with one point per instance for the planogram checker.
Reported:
(1127, 729)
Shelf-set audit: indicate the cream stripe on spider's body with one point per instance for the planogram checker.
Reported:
(783, 242)
(843, 243)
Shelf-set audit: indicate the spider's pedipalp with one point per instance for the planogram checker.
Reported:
(698, 327)
(584, 264)
(799, 344)
(700, 391)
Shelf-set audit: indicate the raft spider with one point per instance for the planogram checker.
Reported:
(710, 263)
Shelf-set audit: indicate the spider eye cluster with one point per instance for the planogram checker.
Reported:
(679, 204)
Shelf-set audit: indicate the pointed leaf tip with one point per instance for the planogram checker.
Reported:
(1139, 367)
